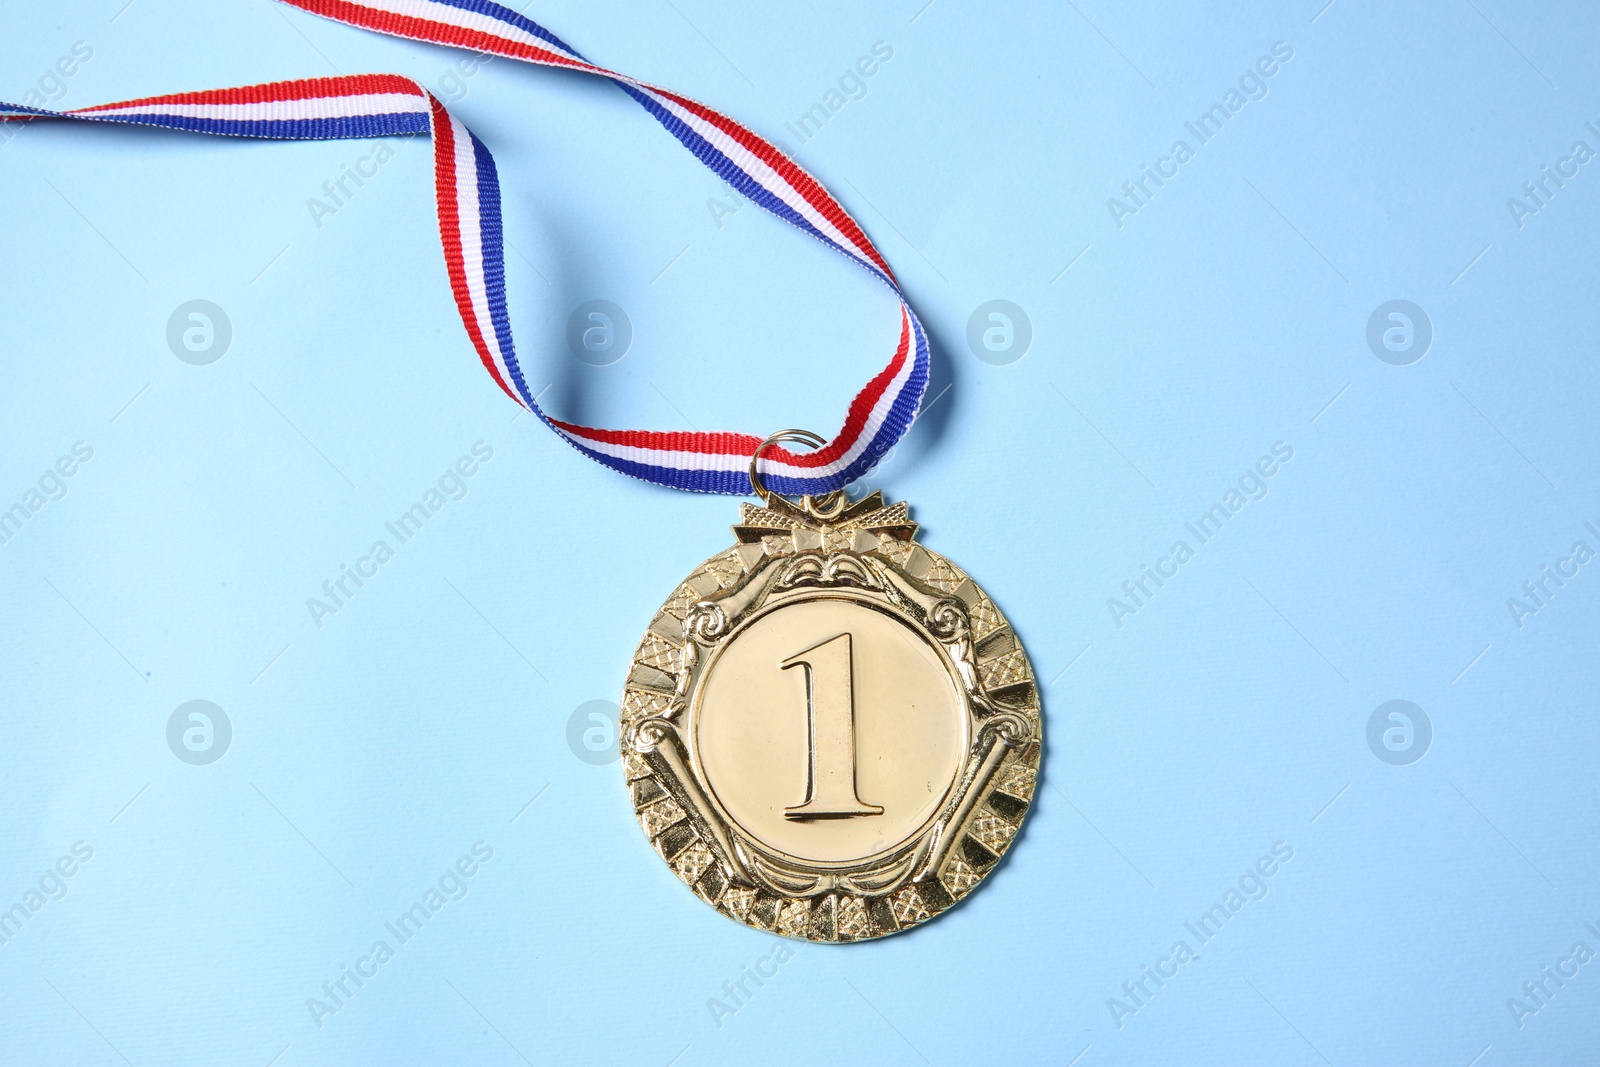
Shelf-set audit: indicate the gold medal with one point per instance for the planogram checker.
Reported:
(829, 731)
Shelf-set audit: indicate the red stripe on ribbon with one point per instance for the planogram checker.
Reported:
(444, 171)
(696, 442)
(304, 89)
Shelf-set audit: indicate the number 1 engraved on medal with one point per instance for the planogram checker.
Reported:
(830, 711)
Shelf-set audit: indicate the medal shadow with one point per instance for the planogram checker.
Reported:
(940, 401)
(563, 373)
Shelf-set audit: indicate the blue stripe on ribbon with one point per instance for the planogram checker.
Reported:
(345, 127)
(492, 239)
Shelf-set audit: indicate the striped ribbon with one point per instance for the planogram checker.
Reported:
(468, 195)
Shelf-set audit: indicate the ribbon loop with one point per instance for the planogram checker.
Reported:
(468, 199)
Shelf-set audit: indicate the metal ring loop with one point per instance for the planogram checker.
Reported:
(805, 437)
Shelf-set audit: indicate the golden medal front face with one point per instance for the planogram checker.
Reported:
(829, 731)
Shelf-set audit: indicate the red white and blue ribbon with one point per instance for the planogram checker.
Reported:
(468, 194)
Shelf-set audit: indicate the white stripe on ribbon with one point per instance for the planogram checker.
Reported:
(318, 107)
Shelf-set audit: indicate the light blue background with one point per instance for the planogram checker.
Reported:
(1228, 714)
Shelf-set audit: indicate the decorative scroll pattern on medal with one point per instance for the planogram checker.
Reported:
(830, 731)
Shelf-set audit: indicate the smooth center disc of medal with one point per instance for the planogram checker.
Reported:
(830, 729)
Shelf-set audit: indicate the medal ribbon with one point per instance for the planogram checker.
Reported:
(468, 195)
